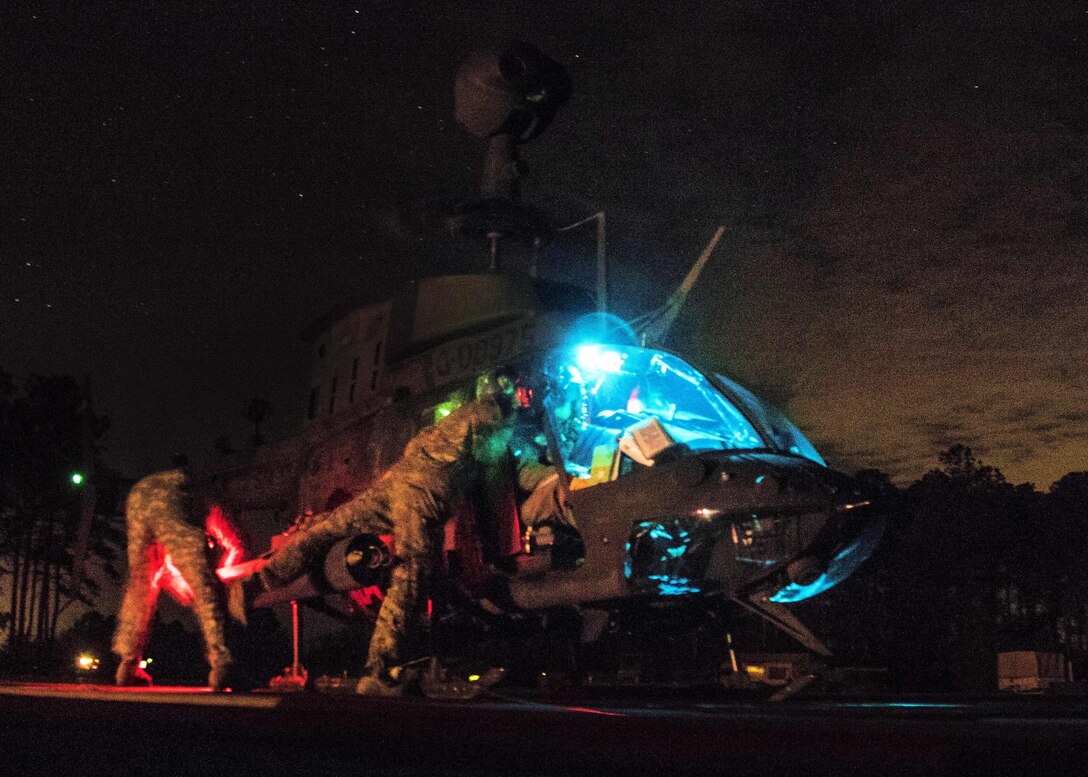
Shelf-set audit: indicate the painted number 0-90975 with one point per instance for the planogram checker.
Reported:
(472, 355)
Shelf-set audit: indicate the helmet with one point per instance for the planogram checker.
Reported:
(497, 385)
(494, 383)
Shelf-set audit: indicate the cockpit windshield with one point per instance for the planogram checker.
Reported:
(772, 422)
(605, 400)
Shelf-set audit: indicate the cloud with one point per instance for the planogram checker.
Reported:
(903, 327)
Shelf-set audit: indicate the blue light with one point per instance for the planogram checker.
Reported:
(762, 562)
(596, 359)
(798, 593)
(673, 586)
(600, 328)
(845, 563)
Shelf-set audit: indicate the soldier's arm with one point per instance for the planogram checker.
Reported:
(488, 432)
(532, 470)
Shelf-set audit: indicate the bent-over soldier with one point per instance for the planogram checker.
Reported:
(412, 501)
(166, 522)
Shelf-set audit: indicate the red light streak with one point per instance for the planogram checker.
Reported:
(90, 690)
(219, 528)
(168, 578)
(595, 712)
(368, 600)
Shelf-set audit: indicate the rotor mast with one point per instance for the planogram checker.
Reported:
(507, 99)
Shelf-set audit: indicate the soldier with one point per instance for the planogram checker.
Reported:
(413, 500)
(539, 492)
(165, 517)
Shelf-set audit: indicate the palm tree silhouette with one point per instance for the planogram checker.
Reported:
(257, 412)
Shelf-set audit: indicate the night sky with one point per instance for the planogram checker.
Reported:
(185, 187)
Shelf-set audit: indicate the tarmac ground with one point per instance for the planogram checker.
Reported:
(71, 729)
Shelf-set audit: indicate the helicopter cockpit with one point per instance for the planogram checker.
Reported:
(614, 408)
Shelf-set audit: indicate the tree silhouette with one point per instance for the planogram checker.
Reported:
(40, 448)
(257, 412)
(959, 464)
(970, 566)
(223, 446)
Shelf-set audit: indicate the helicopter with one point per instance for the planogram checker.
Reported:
(688, 496)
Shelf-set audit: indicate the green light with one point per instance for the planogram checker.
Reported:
(444, 409)
(77, 478)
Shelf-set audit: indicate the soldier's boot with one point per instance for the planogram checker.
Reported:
(380, 680)
(224, 674)
(373, 685)
(227, 677)
(218, 676)
(130, 674)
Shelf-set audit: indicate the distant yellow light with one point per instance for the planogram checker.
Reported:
(856, 505)
(87, 662)
(472, 678)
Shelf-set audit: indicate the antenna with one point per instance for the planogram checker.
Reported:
(653, 327)
(602, 260)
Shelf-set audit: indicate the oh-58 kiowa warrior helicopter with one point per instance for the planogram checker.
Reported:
(693, 499)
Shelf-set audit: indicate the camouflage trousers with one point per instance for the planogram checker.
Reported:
(412, 515)
(160, 512)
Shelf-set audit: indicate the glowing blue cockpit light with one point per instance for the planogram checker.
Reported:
(844, 564)
(600, 328)
(594, 359)
(674, 586)
(795, 592)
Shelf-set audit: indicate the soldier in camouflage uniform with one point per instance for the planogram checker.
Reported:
(163, 515)
(539, 492)
(413, 500)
